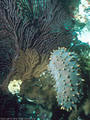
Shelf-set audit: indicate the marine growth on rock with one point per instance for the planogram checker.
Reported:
(64, 68)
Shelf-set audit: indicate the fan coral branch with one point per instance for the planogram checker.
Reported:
(41, 67)
(30, 64)
(26, 63)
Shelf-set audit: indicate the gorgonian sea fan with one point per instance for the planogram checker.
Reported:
(38, 34)
(31, 8)
(64, 68)
(44, 34)
(48, 30)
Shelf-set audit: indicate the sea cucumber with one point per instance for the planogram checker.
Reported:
(64, 68)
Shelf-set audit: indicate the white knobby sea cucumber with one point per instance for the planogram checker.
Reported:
(64, 68)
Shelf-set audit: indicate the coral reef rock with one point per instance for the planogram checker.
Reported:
(40, 90)
(65, 69)
(86, 107)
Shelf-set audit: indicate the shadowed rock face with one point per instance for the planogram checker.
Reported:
(64, 68)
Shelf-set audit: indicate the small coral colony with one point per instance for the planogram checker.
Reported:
(53, 76)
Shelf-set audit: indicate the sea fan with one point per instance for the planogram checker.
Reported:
(44, 34)
(38, 34)
(64, 68)
(30, 64)
(48, 31)
(31, 9)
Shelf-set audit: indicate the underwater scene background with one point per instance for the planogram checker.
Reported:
(45, 59)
